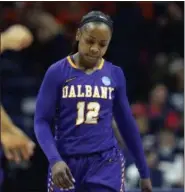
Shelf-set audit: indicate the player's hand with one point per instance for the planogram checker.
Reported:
(146, 185)
(16, 37)
(17, 145)
(62, 176)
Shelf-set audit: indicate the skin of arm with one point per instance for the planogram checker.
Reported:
(6, 122)
(16, 37)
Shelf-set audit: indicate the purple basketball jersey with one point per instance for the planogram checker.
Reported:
(85, 116)
(85, 103)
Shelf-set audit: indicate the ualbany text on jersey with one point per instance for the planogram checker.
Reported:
(86, 91)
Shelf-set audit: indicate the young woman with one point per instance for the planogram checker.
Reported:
(87, 91)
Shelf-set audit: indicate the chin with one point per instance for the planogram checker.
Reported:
(91, 61)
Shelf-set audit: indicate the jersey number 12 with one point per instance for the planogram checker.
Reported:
(89, 117)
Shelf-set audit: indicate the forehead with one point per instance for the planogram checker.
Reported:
(99, 31)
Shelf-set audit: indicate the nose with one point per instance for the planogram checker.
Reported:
(94, 50)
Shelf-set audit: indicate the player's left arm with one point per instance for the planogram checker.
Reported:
(127, 124)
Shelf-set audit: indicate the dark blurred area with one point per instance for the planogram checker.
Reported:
(148, 43)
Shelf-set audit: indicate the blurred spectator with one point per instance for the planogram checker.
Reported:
(157, 113)
(166, 146)
(156, 174)
(140, 114)
(176, 69)
(157, 107)
(170, 160)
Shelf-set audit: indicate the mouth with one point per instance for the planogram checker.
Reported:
(92, 58)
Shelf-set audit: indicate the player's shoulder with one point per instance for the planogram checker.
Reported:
(59, 66)
(58, 70)
(114, 68)
(116, 72)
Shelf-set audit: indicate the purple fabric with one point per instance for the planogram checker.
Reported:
(100, 171)
(86, 103)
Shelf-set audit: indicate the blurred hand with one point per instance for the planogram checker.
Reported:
(62, 176)
(16, 37)
(175, 11)
(45, 24)
(146, 185)
(17, 145)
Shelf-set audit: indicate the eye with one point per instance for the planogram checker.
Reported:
(103, 45)
(89, 41)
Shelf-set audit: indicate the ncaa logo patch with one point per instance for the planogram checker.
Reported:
(106, 81)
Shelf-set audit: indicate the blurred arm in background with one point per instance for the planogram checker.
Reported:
(15, 142)
(16, 37)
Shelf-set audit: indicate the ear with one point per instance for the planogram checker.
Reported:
(78, 34)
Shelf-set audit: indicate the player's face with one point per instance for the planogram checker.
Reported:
(93, 40)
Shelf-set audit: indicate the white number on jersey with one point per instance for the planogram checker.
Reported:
(92, 115)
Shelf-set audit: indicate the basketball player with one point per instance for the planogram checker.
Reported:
(87, 92)
(16, 144)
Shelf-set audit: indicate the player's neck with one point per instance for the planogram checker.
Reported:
(81, 64)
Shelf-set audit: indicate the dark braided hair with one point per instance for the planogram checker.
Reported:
(93, 16)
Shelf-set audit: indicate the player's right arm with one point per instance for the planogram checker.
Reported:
(44, 116)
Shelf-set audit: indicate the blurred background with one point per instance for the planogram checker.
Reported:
(148, 43)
